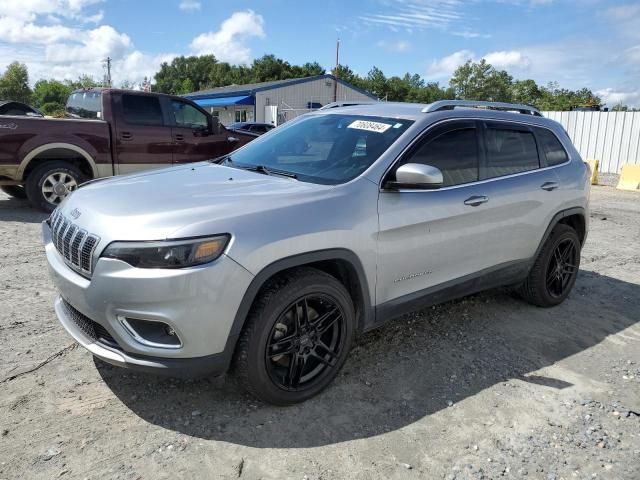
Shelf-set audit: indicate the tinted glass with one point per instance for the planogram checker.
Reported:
(142, 110)
(327, 149)
(509, 152)
(84, 105)
(188, 116)
(551, 146)
(455, 153)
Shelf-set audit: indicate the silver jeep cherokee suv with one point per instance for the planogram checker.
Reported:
(271, 260)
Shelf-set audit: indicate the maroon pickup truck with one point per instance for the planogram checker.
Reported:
(107, 132)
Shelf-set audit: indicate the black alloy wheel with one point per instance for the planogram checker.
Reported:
(555, 269)
(563, 266)
(305, 342)
(296, 337)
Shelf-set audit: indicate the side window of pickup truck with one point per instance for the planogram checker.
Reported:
(188, 116)
(142, 110)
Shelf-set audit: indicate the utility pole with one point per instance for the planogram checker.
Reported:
(335, 80)
(107, 78)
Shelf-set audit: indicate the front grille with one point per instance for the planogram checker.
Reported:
(74, 244)
(91, 329)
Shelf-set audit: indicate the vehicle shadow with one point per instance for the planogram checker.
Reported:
(399, 374)
(15, 210)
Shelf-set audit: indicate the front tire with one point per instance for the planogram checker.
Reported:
(15, 191)
(50, 183)
(555, 270)
(296, 338)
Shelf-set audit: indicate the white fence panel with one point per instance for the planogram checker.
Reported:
(611, 137)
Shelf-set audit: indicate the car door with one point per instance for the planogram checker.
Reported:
(522, 194)
(431, 238)
(197, 136)
(142, 134)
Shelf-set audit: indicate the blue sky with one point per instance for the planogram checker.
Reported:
(592, 43)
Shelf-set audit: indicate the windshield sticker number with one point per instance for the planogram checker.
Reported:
(370, 126)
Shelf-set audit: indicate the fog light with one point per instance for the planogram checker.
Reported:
(151, 332)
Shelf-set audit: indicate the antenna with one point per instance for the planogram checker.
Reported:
(336, 74)
(107, 77)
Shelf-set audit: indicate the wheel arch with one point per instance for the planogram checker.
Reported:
(67, 150)
(340, 263)
(574, 217)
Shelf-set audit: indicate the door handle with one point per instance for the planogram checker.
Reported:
(126, 135)
(476, 200)
(232, 139)
(179, 137)
(548, 186)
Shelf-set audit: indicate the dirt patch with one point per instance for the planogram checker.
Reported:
(484, 387)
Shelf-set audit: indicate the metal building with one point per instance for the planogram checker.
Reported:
(277, 101)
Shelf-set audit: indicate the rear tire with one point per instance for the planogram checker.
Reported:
(50, 183)
(296, 338)
(555, 270)
(15, 191)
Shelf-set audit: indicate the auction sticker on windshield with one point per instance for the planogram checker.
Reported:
(370, 126)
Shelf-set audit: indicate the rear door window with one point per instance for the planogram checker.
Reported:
(553, 150)
(142, 110)
(509, 151)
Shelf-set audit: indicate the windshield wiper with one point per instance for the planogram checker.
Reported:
(222, 159)
(271, 171)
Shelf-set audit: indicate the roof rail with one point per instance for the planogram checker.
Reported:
(505, 107)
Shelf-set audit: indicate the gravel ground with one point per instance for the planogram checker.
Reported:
(484, 387)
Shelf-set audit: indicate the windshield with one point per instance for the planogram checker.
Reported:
(327, 149)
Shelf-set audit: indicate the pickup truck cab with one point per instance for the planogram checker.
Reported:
(106, 132)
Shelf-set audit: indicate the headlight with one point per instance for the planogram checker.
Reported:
(168, 254)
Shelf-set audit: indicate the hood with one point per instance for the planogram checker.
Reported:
(157, 204)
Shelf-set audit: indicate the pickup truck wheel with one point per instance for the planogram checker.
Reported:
(15, 191)
(296, 338)
(555, 270)
(51, 182)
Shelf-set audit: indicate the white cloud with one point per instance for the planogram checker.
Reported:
(508, 60)
(416, 15)
(190, 5)
(53, 38)
(97, 43)
(444, 67)
(612, 97)
(398, 46)
(228, 43)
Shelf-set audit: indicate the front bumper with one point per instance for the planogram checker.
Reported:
(198, 303)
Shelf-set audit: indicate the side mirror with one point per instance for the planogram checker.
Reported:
(214, 125)
(416, 176)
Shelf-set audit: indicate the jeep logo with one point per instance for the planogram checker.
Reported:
(9, 126)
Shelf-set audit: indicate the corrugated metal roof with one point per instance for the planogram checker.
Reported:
(251, 88)
(247, 87)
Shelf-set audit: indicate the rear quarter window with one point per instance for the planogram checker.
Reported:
(551, 146)
(84, 105)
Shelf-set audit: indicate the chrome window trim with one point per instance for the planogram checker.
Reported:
(461, 185)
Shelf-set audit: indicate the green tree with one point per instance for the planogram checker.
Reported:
(171, 76)
(526, 92)
(480, 81)
(50, 96)
(14, 83)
